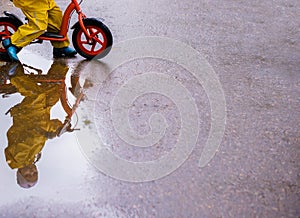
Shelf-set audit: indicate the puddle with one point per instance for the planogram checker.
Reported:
(62, 166)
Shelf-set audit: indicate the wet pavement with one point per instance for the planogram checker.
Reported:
(166, 131)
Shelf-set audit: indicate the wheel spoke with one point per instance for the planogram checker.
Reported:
(98, 40)
(6, 30)
(93, 47)
(84, 42)
(91, 32)
(94, 36)
(95, 33)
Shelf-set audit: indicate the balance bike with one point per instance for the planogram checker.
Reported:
(91, 38)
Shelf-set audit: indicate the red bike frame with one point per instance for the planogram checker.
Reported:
(74, 5)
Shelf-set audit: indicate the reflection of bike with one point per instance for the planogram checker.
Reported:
(90, 37)
(8, 70)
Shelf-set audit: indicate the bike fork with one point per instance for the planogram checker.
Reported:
(81, 16)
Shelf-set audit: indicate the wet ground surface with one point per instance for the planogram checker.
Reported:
(253, 48)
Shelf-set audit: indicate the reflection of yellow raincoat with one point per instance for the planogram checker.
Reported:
(42, 15)
(31, 118)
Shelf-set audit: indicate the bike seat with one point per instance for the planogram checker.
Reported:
(52, 35)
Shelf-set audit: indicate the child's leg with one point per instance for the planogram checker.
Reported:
(37, 24)
(54, 23)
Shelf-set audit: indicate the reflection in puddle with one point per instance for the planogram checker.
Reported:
(32, 125)
(36, 110)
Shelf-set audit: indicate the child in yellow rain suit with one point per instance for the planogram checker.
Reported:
(32, 125)
(42, 15)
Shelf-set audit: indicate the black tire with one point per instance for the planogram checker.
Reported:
(92, 49)
(7, 27)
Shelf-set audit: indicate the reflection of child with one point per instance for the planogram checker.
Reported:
(42, 15)
(32, 125)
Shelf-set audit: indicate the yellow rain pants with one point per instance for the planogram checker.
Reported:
(42, 15)
(31, 118)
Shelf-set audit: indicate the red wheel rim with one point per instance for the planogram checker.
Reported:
(6, 29)
(96, 45)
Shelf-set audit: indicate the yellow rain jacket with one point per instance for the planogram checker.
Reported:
(42, 15)
(31, 118)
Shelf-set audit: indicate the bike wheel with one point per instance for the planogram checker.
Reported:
(7, 27)
(100, 44)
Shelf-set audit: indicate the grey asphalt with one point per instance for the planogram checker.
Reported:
(254, 49)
